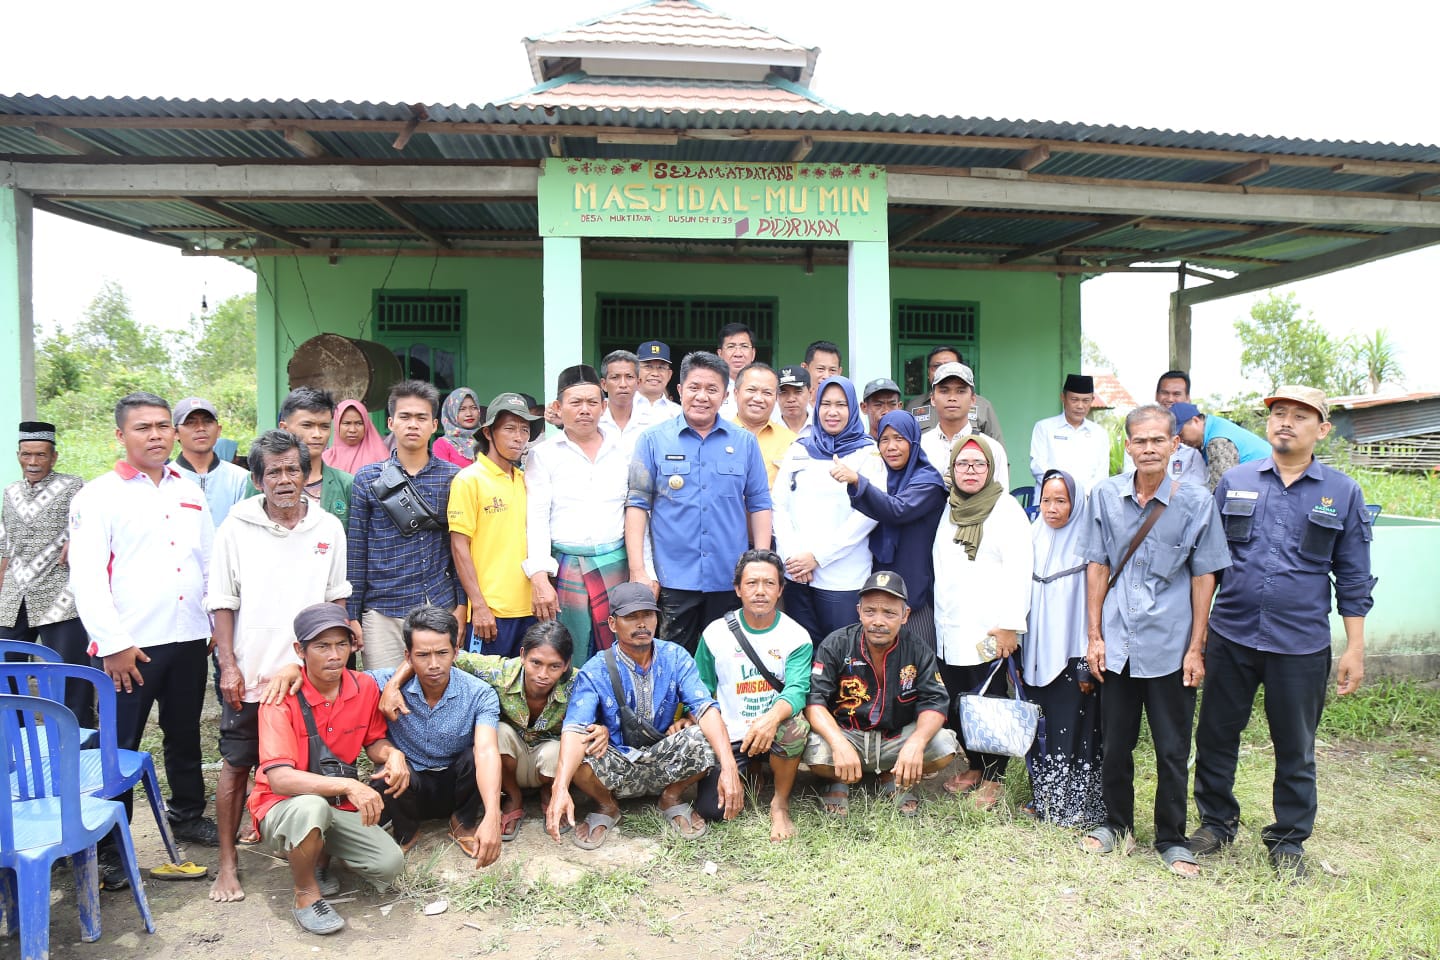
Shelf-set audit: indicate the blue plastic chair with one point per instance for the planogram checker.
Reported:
(106, 771)
(1026, 496)
(50, 819)
(37, 650)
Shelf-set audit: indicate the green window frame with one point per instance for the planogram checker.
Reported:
(425, 329)
(922, 325)
(623, 321)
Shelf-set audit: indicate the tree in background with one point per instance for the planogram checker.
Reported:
(1281, 346)
(108, 353)
(1376, 357)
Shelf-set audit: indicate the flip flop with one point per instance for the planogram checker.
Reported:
(510, 824)
(836, 795)
(189, 870)
(958, 785)
(900, 798)
(464, 839)
(595, 821)
(683, 811)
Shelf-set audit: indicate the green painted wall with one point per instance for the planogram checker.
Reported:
(1405, 621)
(1029, 322)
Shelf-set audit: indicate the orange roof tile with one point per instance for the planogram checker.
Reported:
(672, 23)
(1110, 393)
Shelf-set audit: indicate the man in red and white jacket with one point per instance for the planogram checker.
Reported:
(140, 539)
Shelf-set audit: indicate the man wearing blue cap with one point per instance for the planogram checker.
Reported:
(1222, 443)
(655, 374)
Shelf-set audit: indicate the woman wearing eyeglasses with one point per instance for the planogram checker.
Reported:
(983, 564)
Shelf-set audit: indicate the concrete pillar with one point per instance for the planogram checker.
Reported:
(17, 318)
(563, 308)
(1179, 331)
(870, 352)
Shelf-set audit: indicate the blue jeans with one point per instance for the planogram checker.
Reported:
(820, 612)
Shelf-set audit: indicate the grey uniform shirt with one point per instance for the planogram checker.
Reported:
(1146, 619)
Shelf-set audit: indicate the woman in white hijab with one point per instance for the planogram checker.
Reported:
(1065, 768)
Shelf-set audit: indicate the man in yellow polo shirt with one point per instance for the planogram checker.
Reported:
(755, 391)
(487, 529)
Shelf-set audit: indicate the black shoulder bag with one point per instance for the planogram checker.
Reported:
(322, 760)
(733, 622)
(401, 499)
(637, 731)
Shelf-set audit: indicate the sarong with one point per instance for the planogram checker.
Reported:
(587, 574)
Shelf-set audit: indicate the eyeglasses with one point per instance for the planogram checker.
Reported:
(971, 466)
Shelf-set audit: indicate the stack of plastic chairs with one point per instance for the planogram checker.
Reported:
(44, 816)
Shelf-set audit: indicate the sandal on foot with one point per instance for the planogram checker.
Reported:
(1108, 840)
(686, 830)
(464, 838)
(510, 824)
(960, 783)
(900, 798)
(595, 821)
(835, 801)
(189, 870)
(1177, 855)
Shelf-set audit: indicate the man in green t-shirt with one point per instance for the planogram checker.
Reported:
(759, 718)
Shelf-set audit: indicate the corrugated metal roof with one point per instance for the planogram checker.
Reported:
(59, 107)
(1373, 419)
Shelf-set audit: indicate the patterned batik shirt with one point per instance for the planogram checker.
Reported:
(34, 527)
(507, 677)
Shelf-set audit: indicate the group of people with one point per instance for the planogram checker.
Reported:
(662, 596)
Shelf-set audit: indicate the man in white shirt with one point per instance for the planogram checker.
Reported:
(275, 555)
(951, 399)
(763, 711)
(737, 349)
(619, 376)
(197, 426)
(793, 406)
(576, 483)
(655, 374)
(1069, 441)
(140, 539)
(822, 361)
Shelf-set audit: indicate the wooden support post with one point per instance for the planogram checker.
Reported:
(1179, 330)
(802, 149)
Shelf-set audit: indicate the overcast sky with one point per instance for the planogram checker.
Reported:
(1281, 69)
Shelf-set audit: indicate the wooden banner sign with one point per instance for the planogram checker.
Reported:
(712, 200)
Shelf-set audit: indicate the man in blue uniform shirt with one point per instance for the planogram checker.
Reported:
(699, 489)
(1293, 524)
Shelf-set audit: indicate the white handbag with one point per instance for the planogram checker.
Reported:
(995, 725)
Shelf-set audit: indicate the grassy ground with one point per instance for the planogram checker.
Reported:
(957, 883)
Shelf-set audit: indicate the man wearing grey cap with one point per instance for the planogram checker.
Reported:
(1298, 533)
(888, 719)
(634, 689)
(312, 807)
(952, 399)
(35, 599)
(880, 397)
(982, 413)
(197, 427)
(1070, 441)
